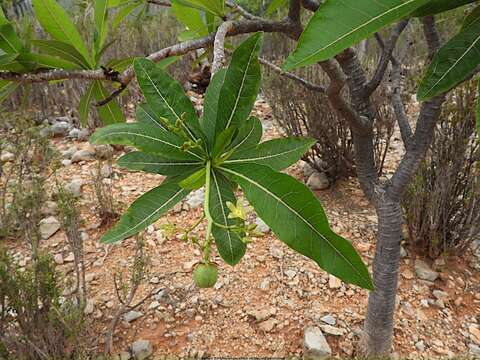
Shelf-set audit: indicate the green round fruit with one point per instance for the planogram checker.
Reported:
(205, 275)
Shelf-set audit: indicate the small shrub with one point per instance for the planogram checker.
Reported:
(35, 321)
(442, 206)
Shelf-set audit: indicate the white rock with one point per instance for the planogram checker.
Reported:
(196, 199)
(60, 128)
(261, 226)
(318, 181)
(420, 346)
(328, 319)
(132, 315)
(142, 349)
(334, 282)
(89, 307)
(6, 156)
(474, 349)
(82, 155)
(403, 252)
(424, 272)
(49, 208)
(332, 330)
(440, 295)
(58, 258)
(153, 305)
(48, 227)
(75, 187)
(315, 345)
(66, 162)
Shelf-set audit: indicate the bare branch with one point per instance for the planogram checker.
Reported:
(294, 11)
(311, 5)
(337, 82)
(387, 50)
(431, 35)
(51, 75)
(307, 84)
(242, 11)
(398, 106)
(219, 46)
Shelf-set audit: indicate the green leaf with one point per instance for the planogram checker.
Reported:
(165, 96)
(194, 181)
(275, 5)
(9, 41)
(437, 6)
(210, 106)
(145, 137)
(165, 63)
(471, 18)
(84, 105)
(240, 87)
(277, 154)
(337, 25)
(146, 115)
(101, 12)
(145, 211)
(40, 61)
(229, 244)
(56, 22)
(7, 88)
(191, 18)
(295, 215)
(123, 13)
(62, 50)
(157, 164)
(6, 60)
(453, 63)
(248, 135)
(222, 141)
(111, 112)
(215, 7)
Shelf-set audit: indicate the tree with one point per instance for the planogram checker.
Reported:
(333, 52)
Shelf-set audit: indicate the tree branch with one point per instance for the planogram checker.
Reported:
(387, 51)
(219, 46)
(311, 5)
(159, 3)
(431, 35)
(398, 106)
(232, 4)
(307, 84)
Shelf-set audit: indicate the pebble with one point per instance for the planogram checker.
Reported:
(261, 226)
(332, 330)
(82, 155)
(48, 227)
(328, 319)
(334, 282)
(6, 157)
(315, 345)
(142, 349)
(89, 307)
(58, 258)
(420, 346)
(268, 325)
(132, 315)
(424, 272)
(318, 181)
(75, 187)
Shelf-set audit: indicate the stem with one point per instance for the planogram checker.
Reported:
(206, 210)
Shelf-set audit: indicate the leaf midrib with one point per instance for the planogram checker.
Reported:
(453, 66)
(280, 200)
(120, 236)
(224, 215)
(237, 98)
(147, 137)
(337, 40)
(231, 161)
(166, 102)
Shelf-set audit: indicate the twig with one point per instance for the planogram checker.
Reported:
(219, 46)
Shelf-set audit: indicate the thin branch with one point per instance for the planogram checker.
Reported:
(293, 17)
(311, 5)
(431, 35)
(387, 51)
(237, 28)
(398, 106)
(247, 15)
(307, 84)
(112, 96)
(337, 82)
(219, 46)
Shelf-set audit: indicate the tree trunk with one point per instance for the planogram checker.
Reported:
(381, 302)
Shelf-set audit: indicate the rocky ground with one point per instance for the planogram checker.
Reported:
(275, 302)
